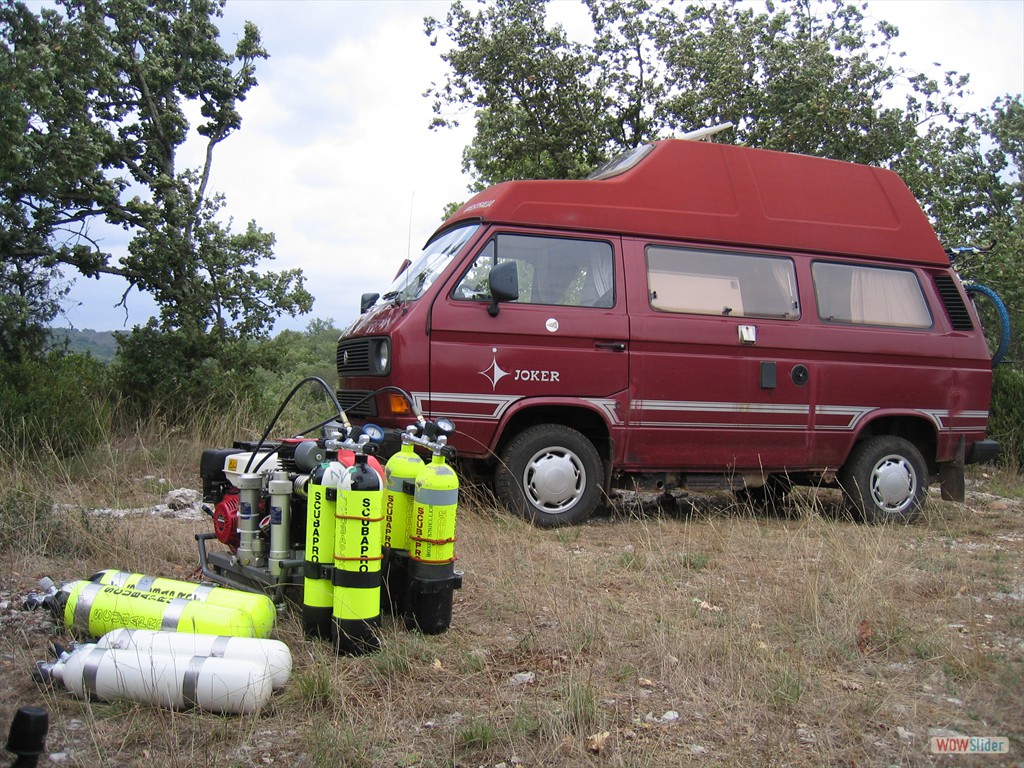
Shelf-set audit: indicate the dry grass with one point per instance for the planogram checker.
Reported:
(713, 637)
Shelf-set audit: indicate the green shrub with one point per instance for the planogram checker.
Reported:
(1006, 422)
(58, 405)
(176, 376)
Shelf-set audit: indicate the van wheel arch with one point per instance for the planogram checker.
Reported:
(914, 429)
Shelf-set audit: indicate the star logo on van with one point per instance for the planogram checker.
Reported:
(493, 372)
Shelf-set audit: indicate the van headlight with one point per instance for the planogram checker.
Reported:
(380, 356)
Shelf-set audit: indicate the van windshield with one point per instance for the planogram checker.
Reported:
(413, 282)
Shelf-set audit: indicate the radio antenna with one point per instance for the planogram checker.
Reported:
(408, 246)
(704, 133)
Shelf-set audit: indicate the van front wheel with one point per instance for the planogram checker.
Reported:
(550, 474)
(885, 479)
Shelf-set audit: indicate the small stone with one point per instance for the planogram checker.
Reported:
(522, 678)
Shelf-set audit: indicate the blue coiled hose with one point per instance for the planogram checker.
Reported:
(1004, 318)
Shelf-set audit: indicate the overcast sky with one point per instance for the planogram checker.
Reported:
(335, 156)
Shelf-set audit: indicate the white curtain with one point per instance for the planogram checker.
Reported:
(887, 297)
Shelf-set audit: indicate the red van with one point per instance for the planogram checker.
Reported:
(693, 315)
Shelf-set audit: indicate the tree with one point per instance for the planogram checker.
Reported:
(998, 205)
(537, 107)
(94, 111)
(50, 167)
(798, 77)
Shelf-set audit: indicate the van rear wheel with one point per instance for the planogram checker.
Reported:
(550, 474)
(885, 479)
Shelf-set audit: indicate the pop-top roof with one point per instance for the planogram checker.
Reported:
(717, 193)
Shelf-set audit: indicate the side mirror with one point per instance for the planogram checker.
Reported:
(503, 282)
(367, 301)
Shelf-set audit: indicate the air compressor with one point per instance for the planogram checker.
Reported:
(281, 508)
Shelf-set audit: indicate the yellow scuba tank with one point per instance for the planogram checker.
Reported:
(357, 559)
(401, 471)
(317, 586)
(95, 609)
(432, 575)
(260, 608)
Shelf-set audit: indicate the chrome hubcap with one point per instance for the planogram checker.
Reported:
(893, 484)
(554, 480)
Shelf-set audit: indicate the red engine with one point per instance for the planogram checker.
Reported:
(225, 520)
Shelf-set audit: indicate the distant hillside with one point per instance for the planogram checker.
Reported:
(99, 344)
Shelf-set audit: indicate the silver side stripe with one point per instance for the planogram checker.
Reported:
(83, 606)
(145, 583)
(844, 418)
(608, 406)
(498, 404)
(713, 407)
(437, 498)
(853, 414)
(190, 682)
(173, 612)
(90, 671)
(220, 646)
(717, 425)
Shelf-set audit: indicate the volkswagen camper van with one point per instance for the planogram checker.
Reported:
(692, 316)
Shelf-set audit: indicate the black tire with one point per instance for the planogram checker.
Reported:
(885, 479)
(769, 498)
(551, 475)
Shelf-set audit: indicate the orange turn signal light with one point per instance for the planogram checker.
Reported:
(398, 405)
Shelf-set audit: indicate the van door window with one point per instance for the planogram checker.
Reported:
(552, 270)
(718, 283)
(850, 293)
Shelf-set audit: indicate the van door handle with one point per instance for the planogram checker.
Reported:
(614, 346)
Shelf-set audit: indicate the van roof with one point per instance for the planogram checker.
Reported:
(728, 195)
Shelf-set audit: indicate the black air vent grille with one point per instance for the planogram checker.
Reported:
(350, 397)
(955, 308)
(353, 358)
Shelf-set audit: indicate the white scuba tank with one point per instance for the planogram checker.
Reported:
(223, 686)
(273, 654)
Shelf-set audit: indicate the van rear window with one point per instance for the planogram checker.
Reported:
(851, 293)
(719, 283)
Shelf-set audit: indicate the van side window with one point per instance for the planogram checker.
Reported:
(849, 293)
(552, 270)
(718, 283)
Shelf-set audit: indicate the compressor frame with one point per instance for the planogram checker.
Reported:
(227, 567)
